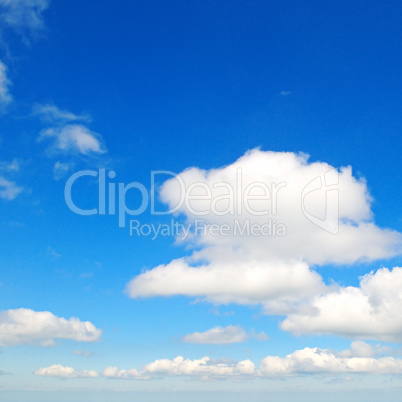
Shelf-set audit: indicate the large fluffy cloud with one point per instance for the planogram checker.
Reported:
(258, 226)
(25, 326)
(372, 310)
(326, 213)
(276, 285)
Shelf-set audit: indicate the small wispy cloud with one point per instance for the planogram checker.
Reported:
(221, 335)
(13, 166)
(285, 93)
(5, 96)
(68, 134)
(23, 15)
(53, 253)
(87, 275)
(82, 353)
(51, 113)
(8, 189)
(74, 138)
(61, 169)
(224, 313)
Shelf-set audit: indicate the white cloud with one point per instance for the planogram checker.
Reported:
(285, 177)
(23, 14)
(363, 349)
(315, 361)
(74, 138)
(5, 97)
(245, 282)
(82, 353)
(114, 372)
(198, 367)
(51, 113)
(229, 334)
(359, 349)
(61, 169)
(58, 370)
(370, 311)
(25, 326)
(8, 189)
(221, 335)
(204, 367)
(53, 252)
(272, 269)
(13, 166)
(67, 135)
(359, 359)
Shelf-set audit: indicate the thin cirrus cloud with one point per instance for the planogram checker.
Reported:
(223, 335)
(27, 327)
(5, 96)
(60, 169)
(359, 359)
(51, 113)
(82, 353)
(9, 189)
(13, 166)
(23, 15)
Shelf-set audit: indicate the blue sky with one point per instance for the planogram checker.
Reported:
(283, 92)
